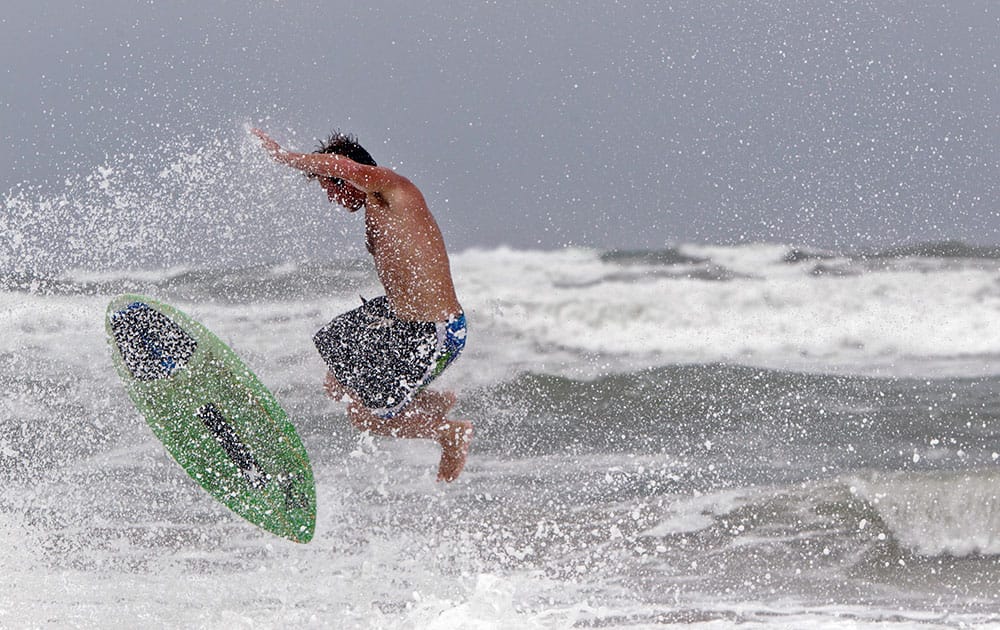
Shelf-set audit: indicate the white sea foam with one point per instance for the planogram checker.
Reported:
(939, 513)
(774, 314)
(694, 513)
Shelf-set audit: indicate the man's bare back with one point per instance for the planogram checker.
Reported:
(413, 267)
(409, 254)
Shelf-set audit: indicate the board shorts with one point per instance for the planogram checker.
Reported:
(385, 360)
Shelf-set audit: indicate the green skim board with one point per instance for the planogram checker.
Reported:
(213, 415)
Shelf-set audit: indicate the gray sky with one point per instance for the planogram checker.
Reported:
(535, 124)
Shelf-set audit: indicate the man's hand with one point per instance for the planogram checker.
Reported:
(272, 147)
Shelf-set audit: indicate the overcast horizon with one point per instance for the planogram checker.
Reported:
(840, 125)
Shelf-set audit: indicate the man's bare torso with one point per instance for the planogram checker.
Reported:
(410, 256)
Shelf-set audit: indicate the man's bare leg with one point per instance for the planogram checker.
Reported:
(334, 389)
(432, 402)
(454, 436)
(454, 439)
(423, 418)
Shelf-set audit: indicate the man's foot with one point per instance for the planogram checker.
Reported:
(454, 443)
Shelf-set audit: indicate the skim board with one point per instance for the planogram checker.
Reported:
(213, 415)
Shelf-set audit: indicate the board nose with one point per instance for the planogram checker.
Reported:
(151, 344)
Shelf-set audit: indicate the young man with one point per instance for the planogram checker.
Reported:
(382, 355)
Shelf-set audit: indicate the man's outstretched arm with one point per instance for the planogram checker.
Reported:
(362, 176)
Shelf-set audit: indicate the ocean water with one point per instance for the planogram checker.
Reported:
(700, 437)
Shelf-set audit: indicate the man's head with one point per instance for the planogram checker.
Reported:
(347, 145)
(337, 190)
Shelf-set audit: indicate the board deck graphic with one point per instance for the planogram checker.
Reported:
(213, 415)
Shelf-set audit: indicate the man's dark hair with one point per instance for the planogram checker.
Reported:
(347, 145)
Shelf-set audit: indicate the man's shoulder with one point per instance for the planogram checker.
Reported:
(399, 191)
